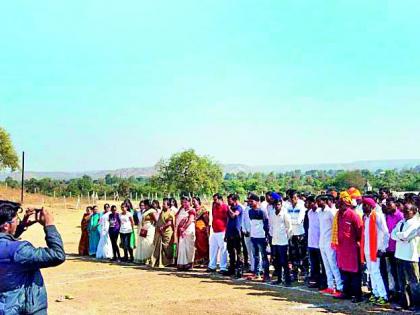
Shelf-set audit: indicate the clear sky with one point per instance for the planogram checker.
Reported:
(89, 84)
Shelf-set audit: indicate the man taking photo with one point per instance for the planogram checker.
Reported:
(22, 289)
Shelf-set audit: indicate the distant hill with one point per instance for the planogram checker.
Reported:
(231, 168)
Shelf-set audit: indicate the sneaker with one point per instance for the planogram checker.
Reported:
(372, 299)
(210, 270)
(327, 291)
(251, 277)
(340, 296)
(381, 301)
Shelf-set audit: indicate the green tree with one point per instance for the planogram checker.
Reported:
(188, 172)
(10, 182)
(8, 156)
(346, 179)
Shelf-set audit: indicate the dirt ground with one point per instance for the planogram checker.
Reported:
(101, 287)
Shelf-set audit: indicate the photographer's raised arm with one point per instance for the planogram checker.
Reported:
(25, 223)
(52, 256)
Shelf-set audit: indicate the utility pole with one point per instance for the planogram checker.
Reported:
(23, 177)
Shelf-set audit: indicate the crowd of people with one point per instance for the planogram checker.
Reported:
(336, 242)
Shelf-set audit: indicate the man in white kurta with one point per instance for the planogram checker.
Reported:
(326, 217)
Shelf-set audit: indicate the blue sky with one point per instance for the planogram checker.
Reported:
(89, 84)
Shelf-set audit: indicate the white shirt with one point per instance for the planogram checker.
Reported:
(297, 215)
(313, 231)
(246, 222)
(270, 212)
(382, 233)
(126, 223)
(281, 227)
(326, 218)
(407, 240)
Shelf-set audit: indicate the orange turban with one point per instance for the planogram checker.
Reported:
(354, 193)
(346, 198)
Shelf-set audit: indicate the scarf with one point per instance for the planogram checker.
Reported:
(373, 238)
(334, 232)
(345, 198)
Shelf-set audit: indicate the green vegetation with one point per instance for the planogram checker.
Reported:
(8, 156)
(163, 184)
(187, 172)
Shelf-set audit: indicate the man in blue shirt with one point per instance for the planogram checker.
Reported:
(233, 236)
(22, 289)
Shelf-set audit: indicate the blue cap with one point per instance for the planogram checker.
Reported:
(275, 196)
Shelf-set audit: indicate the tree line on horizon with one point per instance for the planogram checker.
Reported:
(187, 172)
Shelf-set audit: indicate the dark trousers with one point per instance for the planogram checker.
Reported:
(245, 251)
(114, 241)
(125, 240)
(408, 275)
(352, 283)
(259, 245)
(281, 261)
(297, 253)
(317, 267)
(234, 248)
(389, 258)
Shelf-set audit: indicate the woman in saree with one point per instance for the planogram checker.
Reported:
(84, 238)
(146, 233)
(201, 233)
(94, 232)
(104, 250)
(163, 252)
(185, 229)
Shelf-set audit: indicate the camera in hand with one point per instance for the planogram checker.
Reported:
(37, 214)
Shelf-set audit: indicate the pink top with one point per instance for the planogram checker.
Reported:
(391, 221)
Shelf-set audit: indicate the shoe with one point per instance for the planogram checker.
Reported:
(356, 300)
(327, 291)
(372, 299)
(251, 277)
(340, 296)
(210, 270)
(313, 285)
(381, 301)
(225, 273)
(287, 284)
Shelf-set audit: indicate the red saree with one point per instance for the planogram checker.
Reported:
(202, 236)
(84, 239)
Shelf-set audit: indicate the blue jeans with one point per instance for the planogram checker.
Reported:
(259, 245)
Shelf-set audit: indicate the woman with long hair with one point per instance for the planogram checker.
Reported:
(185, 229)
(146, 233)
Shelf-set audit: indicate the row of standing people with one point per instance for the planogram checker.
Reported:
(327, 239)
